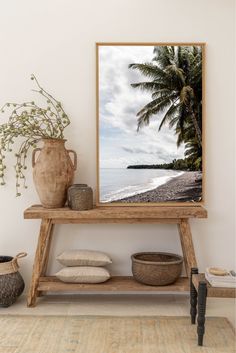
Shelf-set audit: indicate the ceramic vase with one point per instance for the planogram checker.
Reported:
(80, 197)
(53, 172)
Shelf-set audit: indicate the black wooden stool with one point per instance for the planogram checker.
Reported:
(200, 289)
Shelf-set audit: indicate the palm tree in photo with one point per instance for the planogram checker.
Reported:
(175, 84)
(193, 152)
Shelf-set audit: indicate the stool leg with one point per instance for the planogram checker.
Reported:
(193, 297)
(202, 295)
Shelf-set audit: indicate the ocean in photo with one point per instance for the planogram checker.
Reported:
(116, 184)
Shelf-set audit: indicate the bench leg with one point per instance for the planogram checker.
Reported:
(202, 295)
(187, 246)
(39, 260)
(46, 254)
(193, 297)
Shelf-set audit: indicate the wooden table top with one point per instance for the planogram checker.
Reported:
(101, 213)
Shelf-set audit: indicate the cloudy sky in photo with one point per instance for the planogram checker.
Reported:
(120, 143)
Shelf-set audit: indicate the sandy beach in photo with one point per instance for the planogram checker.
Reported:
(184, 188)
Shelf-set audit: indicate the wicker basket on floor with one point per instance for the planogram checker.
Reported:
(11, 281)
(156, 268)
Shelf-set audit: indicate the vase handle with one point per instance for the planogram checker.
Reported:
(75, 158)
(33, 155)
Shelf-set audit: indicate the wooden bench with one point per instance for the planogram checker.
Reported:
(179, 215)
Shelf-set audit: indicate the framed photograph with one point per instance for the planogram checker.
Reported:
(150, 124)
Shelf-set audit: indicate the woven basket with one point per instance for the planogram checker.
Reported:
(156, 268)
(9, 264)
(11, 281)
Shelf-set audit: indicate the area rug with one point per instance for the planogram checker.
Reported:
(79, 334)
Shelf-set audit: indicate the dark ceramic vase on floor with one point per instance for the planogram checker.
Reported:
(11, 281)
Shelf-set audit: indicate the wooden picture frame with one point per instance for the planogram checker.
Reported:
(106, 79)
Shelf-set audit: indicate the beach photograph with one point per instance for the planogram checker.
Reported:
(149, 123)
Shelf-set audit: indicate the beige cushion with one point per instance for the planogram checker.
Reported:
(83, 274)
(83, 258)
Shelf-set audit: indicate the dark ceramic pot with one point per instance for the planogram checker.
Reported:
(80, 197)
(11, 284)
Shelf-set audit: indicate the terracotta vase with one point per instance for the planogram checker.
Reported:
(53, 172)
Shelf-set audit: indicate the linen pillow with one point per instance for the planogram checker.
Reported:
(83, 274)
(83, 258)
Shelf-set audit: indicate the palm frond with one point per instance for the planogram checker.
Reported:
(150, 70)
(150, 86)
(164, 92)
(153, 108)
(144, 119)
(164, 55)
(176, 74)
(155, 105)
(169, 115)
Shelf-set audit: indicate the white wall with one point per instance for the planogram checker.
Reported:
(55, 39)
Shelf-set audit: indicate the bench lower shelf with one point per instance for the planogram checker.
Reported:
(115, 284)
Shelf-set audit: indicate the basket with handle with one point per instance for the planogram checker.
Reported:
(11, 281)
(9, 264)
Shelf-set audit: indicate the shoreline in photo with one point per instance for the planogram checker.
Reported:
(186, 187)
